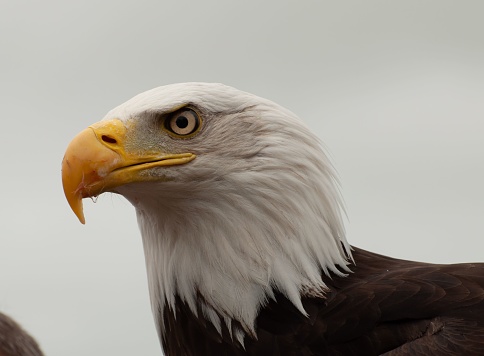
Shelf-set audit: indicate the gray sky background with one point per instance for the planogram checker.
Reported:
(394, 89)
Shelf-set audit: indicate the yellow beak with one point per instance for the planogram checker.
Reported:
(96, 161)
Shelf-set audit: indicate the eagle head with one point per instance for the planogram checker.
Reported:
(234, 196)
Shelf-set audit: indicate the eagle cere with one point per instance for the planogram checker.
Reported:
(245, 248)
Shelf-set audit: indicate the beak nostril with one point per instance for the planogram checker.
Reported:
(108, 139)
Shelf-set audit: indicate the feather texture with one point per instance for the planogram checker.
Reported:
(386, 307)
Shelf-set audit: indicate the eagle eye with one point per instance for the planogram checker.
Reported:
(183, 122)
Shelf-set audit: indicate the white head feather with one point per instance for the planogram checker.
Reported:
(258, 210)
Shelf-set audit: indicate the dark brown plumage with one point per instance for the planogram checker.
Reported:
(15, 341)
(386, 306)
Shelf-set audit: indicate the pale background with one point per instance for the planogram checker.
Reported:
(394, 89)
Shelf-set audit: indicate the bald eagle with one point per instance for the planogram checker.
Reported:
(241, 220)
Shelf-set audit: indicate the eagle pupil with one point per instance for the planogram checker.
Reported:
(182, 122)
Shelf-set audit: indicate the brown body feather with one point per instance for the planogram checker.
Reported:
(386, 306)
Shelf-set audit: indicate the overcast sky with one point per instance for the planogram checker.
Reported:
(395, 89)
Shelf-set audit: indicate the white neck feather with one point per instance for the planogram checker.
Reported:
(236, 243)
